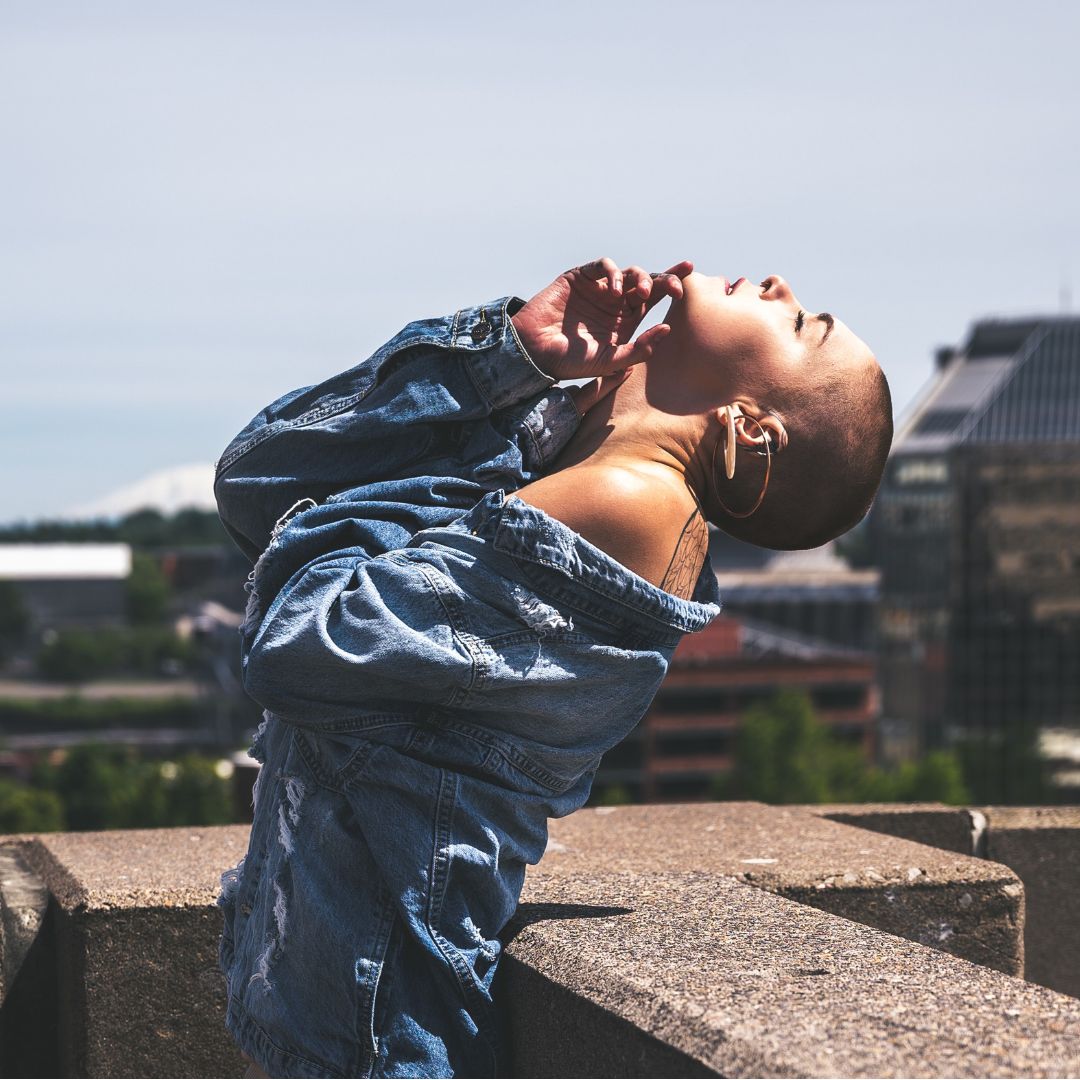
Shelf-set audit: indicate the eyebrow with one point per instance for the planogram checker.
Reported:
(824, 317)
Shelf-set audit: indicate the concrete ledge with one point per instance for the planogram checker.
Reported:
(1042, 845)
(663, 936)
(953, 828)
(728, 980)
(965, 906)
(23, 900)
(134, 940)
(27, 971)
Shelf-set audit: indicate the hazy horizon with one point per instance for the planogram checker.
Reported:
(207, 207)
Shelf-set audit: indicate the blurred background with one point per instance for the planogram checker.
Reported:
(207, 205)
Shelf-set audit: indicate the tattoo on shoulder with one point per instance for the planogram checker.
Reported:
(685, 566)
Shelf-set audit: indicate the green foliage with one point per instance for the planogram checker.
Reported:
(148, 591)
(1005, 768)
(113, 787)
(101, 787)
(14, 618)
(73, 712)
(612, 795)
(80, 655)
(25, 809)
(783, 754)
(938, 777)
(142, 529)
(197, 795)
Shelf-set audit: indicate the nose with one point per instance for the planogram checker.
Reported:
(776, 288)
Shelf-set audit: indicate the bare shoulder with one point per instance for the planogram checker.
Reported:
(638, 522)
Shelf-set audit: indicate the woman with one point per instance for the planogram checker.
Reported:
(469, 583)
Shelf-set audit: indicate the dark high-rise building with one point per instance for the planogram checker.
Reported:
(976, 530)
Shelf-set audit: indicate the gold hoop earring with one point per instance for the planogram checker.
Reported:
(729, 461)
(729, 442)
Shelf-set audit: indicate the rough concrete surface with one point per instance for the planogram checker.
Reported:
(139, 992)
(28, 970)
(1042, 845)
(136, 868)
(941, 826)
(962, 905)
(23, 900)
(651, 938)
(743, 983)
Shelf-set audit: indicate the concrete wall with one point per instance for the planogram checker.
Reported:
(1040, 844)
(705, 939)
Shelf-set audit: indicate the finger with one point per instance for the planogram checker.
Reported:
(680, 270)
(639, 284)
(588, 396)
(604, 269)
(642, 348)
(665, 285)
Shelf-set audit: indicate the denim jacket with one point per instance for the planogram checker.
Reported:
(442, 670)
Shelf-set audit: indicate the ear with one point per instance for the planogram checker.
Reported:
(747, 431)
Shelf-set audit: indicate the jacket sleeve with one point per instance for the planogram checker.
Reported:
(349, 633)
(456, 397)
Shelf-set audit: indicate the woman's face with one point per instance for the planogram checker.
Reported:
(762, 338)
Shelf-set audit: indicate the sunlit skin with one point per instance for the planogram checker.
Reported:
(633, 474)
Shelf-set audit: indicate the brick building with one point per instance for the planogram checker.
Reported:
(687, 737)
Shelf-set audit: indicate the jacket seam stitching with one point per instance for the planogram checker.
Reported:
(475, 680)
(514, 552)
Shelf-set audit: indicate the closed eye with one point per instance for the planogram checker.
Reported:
(825, 317)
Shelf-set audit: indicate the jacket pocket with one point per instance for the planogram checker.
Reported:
(335, 758)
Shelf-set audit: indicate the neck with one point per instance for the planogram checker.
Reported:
(636, 429)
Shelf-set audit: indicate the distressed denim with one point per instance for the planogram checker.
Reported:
(441, 668)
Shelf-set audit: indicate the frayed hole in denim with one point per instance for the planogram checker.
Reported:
(538, 616)
(289, 812)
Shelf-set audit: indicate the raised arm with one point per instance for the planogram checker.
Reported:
(393, 447)
(470, 397)
(437, 399)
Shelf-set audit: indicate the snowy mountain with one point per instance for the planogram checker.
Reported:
(168, 491)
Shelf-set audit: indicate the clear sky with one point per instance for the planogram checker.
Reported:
(205, 204)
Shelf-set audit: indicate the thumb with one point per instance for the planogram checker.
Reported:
(641, 348)
(593, 392)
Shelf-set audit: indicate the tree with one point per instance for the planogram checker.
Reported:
(783, 754)
(99, 786)
(937, 778)
(1006, 768)
(14, 618)
(114, 787)
(148, 591)
(198, 795)
(79, 655)
(27, 809)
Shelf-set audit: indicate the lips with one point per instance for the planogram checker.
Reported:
(730, 288)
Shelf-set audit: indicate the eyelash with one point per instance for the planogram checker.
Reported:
(799, 321)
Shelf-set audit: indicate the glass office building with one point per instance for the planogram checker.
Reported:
(976, 530)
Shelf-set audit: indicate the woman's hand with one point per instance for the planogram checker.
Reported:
(580, 326)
